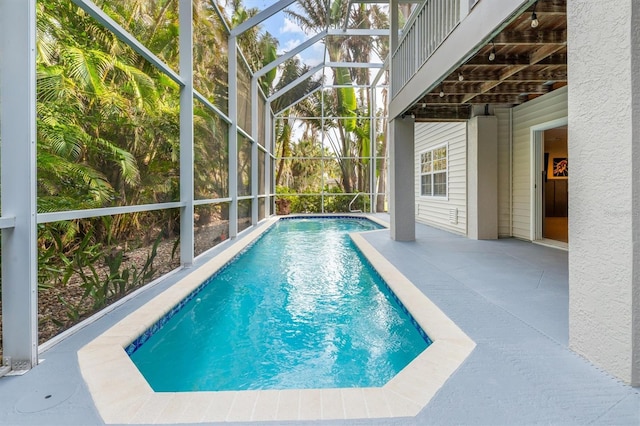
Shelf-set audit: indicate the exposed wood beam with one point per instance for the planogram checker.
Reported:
(559, 74)
(509, 71)
(476, 99)
(486, 86)
(555, 7)
(535, 57)
(529, 62)
(497, 99)
(524, 59)
(441, 112)
(542, 76)
(457, 88)
(518, 88)
(543, 53)
(509, 88)
(530, 37)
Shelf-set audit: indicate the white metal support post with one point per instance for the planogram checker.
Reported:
(323, 133)
(186, 132)
(18, 135)
(233, 135)
(267, 159)
(254, 150)
(372, 149)
(270, 143)
(393, 40)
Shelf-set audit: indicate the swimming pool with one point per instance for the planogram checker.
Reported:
(122, 395)
(301, 308)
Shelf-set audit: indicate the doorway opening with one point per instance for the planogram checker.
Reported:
(551, 207)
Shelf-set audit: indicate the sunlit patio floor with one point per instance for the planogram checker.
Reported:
(509, 296)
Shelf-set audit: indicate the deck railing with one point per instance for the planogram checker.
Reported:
(422, 35)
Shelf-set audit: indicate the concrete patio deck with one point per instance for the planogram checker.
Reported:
(509, 296)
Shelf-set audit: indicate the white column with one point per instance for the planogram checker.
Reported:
(482, 177)
(186, 132)
(604, 197)
(18, 135)
(402, 197)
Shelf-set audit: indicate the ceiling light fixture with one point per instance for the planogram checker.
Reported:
(534, 17)
(492, 54)
(441, 91)
(460, 76)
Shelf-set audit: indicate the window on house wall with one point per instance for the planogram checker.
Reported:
(433, 172)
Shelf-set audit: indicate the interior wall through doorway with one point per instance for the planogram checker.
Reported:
(555, 208)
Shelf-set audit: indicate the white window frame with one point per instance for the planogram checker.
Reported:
(432, 150)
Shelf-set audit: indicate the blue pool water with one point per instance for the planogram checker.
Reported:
(299, 309)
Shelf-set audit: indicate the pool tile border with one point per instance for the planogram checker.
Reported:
(123, 396)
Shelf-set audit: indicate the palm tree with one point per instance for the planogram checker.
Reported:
(353, 144)
(292, 69)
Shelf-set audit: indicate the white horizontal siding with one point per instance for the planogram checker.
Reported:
(549, 107)
(504, 171)
(434, 211)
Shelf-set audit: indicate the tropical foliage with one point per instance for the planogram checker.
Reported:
(108, 136)
(347, 107)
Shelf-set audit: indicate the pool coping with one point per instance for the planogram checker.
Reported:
(122, 395)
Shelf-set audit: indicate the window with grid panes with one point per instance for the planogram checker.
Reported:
(433, 172)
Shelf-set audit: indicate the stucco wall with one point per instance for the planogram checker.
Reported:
(547, 108)
(604, 153)
(436, 211)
